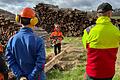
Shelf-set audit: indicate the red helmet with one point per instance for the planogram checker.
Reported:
(27, 12)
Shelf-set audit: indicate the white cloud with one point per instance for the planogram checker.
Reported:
(15, 5)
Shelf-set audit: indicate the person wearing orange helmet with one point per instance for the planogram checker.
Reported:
(56, 38)
(25, 51)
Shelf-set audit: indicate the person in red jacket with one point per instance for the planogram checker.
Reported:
(102, 42)
(56, 38)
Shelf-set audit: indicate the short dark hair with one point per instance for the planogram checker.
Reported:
(25, 21)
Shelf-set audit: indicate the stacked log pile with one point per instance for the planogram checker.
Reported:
(8, 28)
(42, 33)
(72, 22)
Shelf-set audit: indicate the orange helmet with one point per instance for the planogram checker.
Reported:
(27, 12)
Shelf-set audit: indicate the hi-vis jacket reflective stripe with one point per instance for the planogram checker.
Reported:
(103, 35)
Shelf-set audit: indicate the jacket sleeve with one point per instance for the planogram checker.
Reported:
(85, 38)
(12, 64)
(40, 60)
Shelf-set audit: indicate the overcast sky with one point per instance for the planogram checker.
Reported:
(15, 6)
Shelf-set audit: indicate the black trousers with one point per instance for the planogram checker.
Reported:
(57, 48)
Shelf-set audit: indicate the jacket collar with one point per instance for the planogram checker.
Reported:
(26, 29)
(103, 19)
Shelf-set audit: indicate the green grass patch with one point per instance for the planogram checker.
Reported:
(49, 51)
(76, 41)
(115, 17)
(77, 72)
(74, 74)
(116, 77)
(72, 40)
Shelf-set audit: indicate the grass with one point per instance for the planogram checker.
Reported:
(76, 41)
(77, 72)
(117, 77)
(49, 50)
(67, 40)
(74, 74)
(115, 17)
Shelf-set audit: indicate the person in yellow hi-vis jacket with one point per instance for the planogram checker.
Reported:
(101, 41)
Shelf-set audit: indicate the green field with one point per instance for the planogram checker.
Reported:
(115, 17)
(77, 72)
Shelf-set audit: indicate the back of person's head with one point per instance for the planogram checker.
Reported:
(104, 9)
(56, 27)
(27, 17)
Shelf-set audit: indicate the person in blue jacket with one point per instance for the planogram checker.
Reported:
(25, 51)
